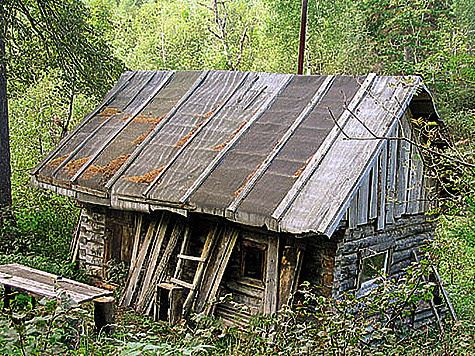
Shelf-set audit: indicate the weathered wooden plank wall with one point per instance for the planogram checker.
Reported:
(394, 184)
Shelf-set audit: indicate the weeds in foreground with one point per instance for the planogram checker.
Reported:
(376, 323)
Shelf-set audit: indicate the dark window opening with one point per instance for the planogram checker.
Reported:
(372, 268)
(252, 260)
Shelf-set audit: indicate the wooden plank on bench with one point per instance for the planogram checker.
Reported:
(48, 285)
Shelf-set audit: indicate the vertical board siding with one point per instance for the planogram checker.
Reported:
(415, 181)
(404, 154)
(382, 167)
(272, 276)
(363, 200)
(392, 183)
(391, 174)
(353, 211)
(374, 191)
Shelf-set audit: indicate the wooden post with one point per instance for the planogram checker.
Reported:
(272, 276)
(104, 314)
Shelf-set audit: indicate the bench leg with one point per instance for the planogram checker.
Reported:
(104, 314)
(7, 297)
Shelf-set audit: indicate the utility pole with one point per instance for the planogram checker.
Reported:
(303, 33)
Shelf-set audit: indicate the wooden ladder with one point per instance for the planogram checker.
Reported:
(198, 275)
(444, 295)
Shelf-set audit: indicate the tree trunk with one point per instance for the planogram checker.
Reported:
(5, 168)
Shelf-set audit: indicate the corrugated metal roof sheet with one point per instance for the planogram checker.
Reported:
(257, 148)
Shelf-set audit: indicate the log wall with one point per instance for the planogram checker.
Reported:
(104, 235)
(319, 263)
(401, 239)
(92, 237)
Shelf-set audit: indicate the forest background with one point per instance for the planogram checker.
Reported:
(61, 58)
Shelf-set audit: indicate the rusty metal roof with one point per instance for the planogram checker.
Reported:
(256, 148)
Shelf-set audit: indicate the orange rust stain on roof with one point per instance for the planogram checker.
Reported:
(108, 170)
(148, 177)
(202, 118)
(243, 185)
(57, 161)
(109, 111)
(299, 171)
(207, 115)
(148, 119)
(73, 166)
(235, 132)
(139, 139)
(185, 138)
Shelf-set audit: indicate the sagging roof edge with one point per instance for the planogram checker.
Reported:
(422, 102)
(143, 207)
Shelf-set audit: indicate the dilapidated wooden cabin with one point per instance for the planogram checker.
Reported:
(220, 183)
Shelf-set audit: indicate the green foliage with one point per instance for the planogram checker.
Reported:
(51, 328)
(369, 324)
(182, 34)
(454, 248)
(57, 35)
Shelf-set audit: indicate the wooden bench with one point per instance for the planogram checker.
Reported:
(43, 284)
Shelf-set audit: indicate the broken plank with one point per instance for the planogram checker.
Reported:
(155, 255)
(214, 271)
(382, 166)
(135, 248)
(160, 274)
